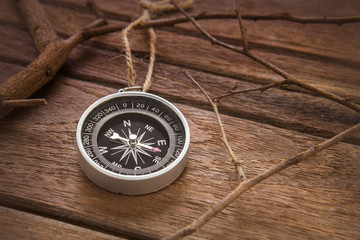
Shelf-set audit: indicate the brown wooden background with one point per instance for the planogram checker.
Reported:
(44, 194)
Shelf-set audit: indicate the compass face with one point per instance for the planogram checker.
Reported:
(132, 136)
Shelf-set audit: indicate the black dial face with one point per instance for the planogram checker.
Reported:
(133, 135)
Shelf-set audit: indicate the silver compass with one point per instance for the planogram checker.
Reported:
(132, 142)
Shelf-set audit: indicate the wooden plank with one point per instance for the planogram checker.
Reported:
(313, 39)
(16, 224)
(183, 50)
(40, 173)
(317, 199)
(278, 107)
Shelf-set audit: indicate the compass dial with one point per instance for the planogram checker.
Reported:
(132, 142)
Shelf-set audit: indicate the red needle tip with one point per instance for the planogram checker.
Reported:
(155, 149)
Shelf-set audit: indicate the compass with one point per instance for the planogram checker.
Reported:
(132, 142)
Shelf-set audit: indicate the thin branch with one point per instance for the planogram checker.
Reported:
(253, 17)
(262, 89)
(23, 103)
(249, 183)
(212, 39)
(292, 80)
(289, 79)
(242, 27)
(303, 20)
(235, 161)
(53, 50)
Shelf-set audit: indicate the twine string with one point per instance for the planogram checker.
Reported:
(129, 62)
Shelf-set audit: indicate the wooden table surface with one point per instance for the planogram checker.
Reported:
(45, 195)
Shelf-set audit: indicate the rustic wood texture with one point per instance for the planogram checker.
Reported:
(318, 199)
(21, 225)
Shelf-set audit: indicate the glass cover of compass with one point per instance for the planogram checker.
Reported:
(132, 142)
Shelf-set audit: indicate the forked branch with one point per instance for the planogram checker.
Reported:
(249, 183)
(238, 164)
(53, 50)
(254, 17)
(288, 79)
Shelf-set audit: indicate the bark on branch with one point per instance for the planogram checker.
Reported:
(54, 52)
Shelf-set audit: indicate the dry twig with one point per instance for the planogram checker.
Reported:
(253, 17)
(238, 164)
(289, 79)
(53, 50)
(249, 183)
(23, 103)
(242, 27)
(261, 88)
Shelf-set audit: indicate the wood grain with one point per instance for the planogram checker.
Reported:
(16, 224)
(293, 110)
(182, 50)
(42, 186)
(290, 204)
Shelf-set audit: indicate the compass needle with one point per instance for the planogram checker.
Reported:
(132, 142)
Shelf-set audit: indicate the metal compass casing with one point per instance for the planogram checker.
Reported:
(132, 142)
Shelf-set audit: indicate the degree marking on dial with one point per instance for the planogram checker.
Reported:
(147, 108)
(117, 107)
